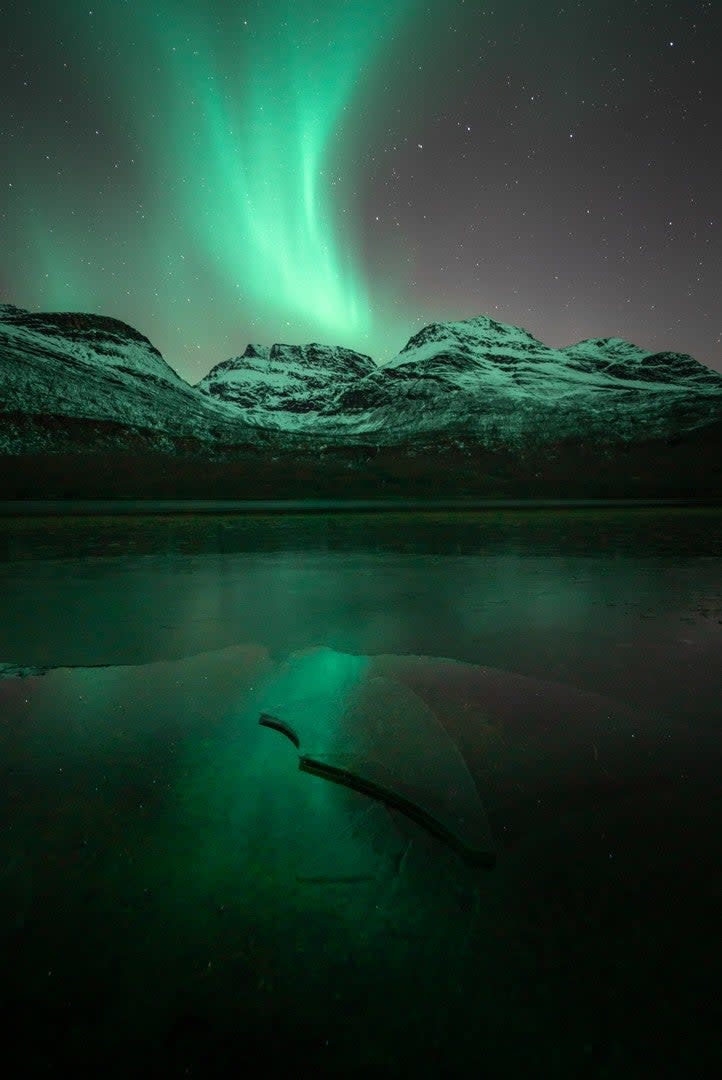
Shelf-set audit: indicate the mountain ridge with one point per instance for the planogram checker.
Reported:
(472, 406)
(493, 369)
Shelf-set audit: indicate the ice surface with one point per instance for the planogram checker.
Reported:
(370, 732)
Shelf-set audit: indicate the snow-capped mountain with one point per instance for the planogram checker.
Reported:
(285, 380)
(480, 378)
(88, 407)
(621, 360)
(57, 368)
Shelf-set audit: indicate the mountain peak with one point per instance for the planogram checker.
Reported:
(613, 347)
(486, 324)
(285, 381)
(465, 333)
(262, 352)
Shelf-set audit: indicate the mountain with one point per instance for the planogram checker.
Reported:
(479, 378)
(278, 383)
(69, 377)
(88, 406)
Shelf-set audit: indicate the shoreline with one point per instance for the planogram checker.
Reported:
(156, 507)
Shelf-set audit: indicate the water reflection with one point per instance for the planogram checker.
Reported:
(621, 618)
(168, 873)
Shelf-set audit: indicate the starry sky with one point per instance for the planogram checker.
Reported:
(216, 172)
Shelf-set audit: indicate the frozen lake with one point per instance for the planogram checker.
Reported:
(176, 895)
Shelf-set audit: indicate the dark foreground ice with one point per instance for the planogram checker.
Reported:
(176, 895)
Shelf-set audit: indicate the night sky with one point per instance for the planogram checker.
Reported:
(219, 171)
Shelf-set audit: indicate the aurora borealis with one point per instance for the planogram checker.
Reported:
(262, 207)
(223, 172)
